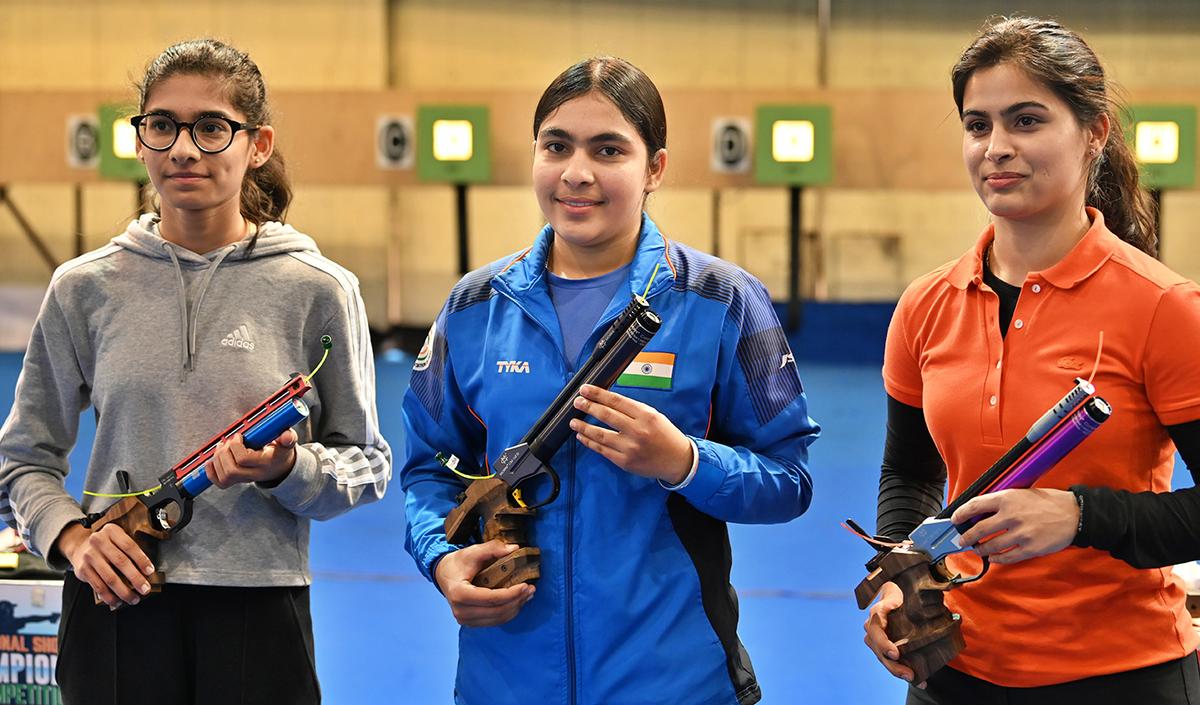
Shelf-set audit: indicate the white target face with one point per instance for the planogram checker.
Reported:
(395, 142)
(731, 145)
(83, 141)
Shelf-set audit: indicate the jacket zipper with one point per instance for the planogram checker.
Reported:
(568, 564)
(569, 534)
(568, 570)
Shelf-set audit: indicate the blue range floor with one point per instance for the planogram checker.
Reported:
(385, 635)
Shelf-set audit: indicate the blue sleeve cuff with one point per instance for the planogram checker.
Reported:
(709, 475)
(441, 551)
(687, 480)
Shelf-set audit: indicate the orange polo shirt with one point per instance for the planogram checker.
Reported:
(1079, 612)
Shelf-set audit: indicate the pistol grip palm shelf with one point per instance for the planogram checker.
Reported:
(487, 501)
(926, 633)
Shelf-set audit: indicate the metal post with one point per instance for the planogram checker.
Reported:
(794, 220)
(78, 219)
(464, 255)
(30, 234)
(716, 222)
(823, 25)
(389, 42)
(1156, 196)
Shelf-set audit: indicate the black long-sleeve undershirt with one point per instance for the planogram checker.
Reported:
(912, 479)
(1144, 529)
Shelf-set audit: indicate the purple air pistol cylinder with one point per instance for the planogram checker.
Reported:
(1062, 440)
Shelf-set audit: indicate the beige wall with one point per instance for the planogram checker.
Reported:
(899, 204)
(706, 44)
(105, 44)
(885, 43)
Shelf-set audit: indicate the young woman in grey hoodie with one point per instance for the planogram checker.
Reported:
(171, 332)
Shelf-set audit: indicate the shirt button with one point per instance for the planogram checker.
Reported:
(992, 401)
(1037, 288)
(1018, 323)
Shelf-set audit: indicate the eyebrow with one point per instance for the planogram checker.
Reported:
(199, 116)
(559, 133)
(1014, 108)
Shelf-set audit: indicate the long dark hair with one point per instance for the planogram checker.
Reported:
(266, 190)
(1064, 63)
(627, 86)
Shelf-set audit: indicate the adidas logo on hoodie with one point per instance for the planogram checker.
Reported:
(239, 338)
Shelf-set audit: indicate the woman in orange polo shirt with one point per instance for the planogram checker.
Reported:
(1081, 605)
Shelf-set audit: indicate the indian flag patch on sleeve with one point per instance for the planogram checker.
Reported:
(649, 370)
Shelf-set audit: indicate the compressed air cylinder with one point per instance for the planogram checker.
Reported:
(256, 438)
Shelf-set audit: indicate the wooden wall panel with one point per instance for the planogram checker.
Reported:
(891, 138)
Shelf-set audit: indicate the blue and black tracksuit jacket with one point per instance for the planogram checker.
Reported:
(634, 604)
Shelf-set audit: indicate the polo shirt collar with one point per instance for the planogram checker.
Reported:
(1094, 249)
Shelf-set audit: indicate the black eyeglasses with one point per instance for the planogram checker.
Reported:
(211, 134)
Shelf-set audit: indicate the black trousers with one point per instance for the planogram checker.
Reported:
(188, 645)
(1172, 683)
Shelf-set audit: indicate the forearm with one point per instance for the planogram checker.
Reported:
(329, 480)
(426, 504)
(1144, 529)
(738, 485)
(39, 507)
(905, 501)
(912, 479)
(69, 539)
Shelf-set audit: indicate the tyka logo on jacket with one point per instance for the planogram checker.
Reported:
(514, 366)
(239, 338)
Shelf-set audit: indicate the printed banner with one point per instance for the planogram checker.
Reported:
(29, 614)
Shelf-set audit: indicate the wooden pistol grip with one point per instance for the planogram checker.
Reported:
(481, 499)
(870, 587)
(925, 632)
(487, 501)
(520, 566)
(134, 518)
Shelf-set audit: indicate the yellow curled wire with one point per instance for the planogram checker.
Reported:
(327, 343)
(139, 493)
(450, 462)
(472, 477)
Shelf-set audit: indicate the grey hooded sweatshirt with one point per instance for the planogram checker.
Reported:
(169, 347)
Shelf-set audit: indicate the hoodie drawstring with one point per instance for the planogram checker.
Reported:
(188, 322)
(183, 322)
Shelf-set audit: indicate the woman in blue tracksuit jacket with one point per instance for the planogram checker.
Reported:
(634, 603)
